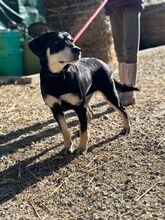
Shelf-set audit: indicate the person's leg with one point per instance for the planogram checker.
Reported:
(131, 44)
(116, 20)
(131, 35)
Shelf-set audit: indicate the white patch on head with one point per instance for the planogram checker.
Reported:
(53, 59)
(60, 36)
(69, 37)
(71, 99)
(51, 100)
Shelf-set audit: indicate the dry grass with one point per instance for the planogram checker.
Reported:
(119, 178)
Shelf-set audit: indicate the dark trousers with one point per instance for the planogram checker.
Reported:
(126, 34)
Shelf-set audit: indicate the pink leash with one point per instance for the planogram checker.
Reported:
(89, 21)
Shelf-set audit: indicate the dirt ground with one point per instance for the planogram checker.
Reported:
(121, 177)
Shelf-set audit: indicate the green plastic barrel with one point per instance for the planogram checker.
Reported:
(10, 40)
(11, 63)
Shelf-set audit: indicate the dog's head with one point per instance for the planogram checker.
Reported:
(57, 48)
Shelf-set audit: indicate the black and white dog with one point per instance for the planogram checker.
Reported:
(68, 82)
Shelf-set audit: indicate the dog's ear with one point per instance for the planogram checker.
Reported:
(38, 45)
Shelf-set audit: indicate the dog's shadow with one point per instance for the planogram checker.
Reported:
(13, 184)
(26, 173)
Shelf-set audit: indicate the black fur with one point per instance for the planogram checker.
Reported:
(124, 88)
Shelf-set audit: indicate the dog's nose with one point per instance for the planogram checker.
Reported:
(76, 50)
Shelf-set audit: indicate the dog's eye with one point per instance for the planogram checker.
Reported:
(55, 42)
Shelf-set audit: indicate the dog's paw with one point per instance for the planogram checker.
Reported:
(80, 151)
(68, 151)
(125, 131)
(71, 149)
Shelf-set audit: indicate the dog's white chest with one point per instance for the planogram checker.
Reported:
(68, 97)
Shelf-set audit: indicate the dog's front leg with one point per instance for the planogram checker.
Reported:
(83, 119)
(59, 116)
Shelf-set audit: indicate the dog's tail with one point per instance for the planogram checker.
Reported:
(124, 88)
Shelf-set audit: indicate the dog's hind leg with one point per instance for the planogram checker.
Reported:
(82, 113)
(113, 99)
(90, 112)
(59, 116)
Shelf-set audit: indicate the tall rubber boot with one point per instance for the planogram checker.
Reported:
(121, 67)
(129, 77)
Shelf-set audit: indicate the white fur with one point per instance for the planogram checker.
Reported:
(53, 59)
(60, 35)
